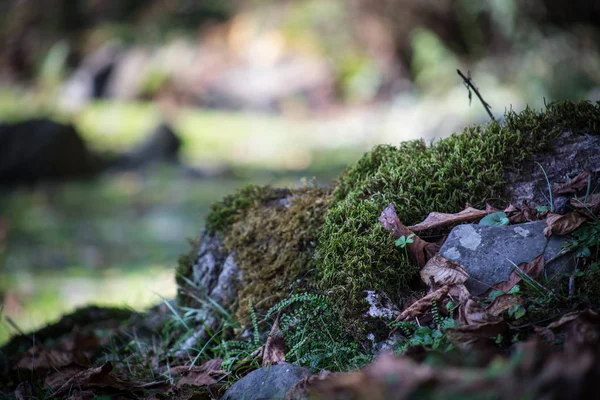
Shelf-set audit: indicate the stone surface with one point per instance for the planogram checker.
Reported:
(267, 383)
(216, 276)
(487, 252)
(570, 155)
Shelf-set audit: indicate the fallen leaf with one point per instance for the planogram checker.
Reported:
(441, 271)
(275, 347)
(419, 251)
(592, 204)
(468, 337)
(576, 184)
(23, 391)
(472, 313)
(532, 269)
(423, 304)
(459, 292)
(501, 304)
(438, 220)
(563, 224)
(101, 377)
(202, 375)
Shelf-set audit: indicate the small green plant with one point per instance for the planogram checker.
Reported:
(549, 187)
(315, 336)
(585, 238)
(495, 219)
(404, 241)
(433, 338)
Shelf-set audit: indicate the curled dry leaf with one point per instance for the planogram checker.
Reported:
(563, 224)
(438, 220)
(501, 304)
(275, 347)
(419, 251)
(459, 292)
(472, 313)
(420, 306)
(576, 184)
(441, 271)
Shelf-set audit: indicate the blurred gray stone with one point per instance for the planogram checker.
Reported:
(487, 252)
(161, 146)
(267, 383)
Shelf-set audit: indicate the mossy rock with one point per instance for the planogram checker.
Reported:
(273, 234)
(337, 233)
(355, 253)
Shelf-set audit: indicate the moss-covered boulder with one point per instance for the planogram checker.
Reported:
(287, 240)
(270, 234)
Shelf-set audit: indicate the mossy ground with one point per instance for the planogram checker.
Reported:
(355, 253)
(276, 245)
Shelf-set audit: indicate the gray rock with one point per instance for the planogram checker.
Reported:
(570, 154)
(380, 306)
(267, 383)
(217, 277)
(161, 146)
(488, 252)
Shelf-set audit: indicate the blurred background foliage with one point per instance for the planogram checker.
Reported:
(258, 91)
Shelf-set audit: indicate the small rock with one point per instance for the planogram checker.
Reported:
(488, 252)
(271, 382)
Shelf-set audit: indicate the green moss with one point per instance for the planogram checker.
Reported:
(274, 245)
(224, 213)
(355, 253)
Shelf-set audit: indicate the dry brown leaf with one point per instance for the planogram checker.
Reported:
(532, 269)
(563, 224)
(422, 305)
(459, 292)
(23, 391)
(511, 208)
(501, 304)
(370, 383)
(592, 204)
(441, 271)
(275, 347)
(582, 329)
(474, 336)
(438, 220)
(101, 377)
(203, 375)
(472, 313)
(576, 184)
(419, 251)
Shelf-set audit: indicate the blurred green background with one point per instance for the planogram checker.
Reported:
(259, 92)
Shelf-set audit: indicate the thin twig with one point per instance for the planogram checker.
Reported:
(471, 86)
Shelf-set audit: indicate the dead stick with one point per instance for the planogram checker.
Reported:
(470, 85)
